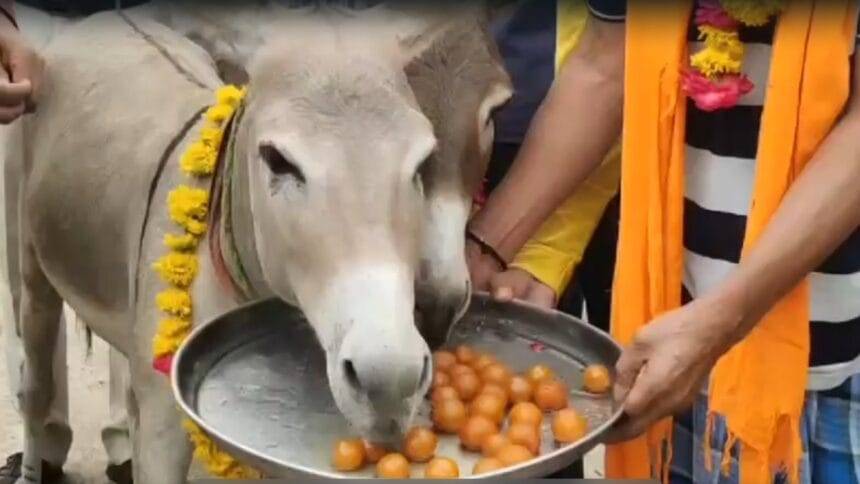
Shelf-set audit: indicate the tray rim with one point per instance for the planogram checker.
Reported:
(544, 461)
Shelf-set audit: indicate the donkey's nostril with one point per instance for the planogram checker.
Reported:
(351, 375)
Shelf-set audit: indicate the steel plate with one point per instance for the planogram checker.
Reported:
(254, 380)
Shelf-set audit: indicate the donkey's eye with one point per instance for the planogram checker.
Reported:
(421, 172)
(279, 164)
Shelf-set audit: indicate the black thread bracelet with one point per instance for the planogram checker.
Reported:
(6, 13)
(487, 249)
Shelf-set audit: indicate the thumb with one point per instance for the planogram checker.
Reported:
(508, 284)
(503, 293)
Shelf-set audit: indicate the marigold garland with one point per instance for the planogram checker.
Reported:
(188, 207)
(714, 80)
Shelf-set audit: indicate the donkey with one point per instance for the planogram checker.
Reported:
(328, 210)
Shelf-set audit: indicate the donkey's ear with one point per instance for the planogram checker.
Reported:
(417, 26)
(230, 69)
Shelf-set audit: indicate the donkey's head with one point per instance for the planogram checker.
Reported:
(333, 145)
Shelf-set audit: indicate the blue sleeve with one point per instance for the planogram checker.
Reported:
(608, 10)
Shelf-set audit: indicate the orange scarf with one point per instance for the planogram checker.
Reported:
(759, 385)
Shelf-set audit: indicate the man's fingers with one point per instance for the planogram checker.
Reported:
(27, 67)
(542, 296)
(13, 94)
(503, 294)
(631, 427)
(507, 285)
(627, 369)
(9, 114)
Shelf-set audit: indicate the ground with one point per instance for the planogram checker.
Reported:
(88, 409)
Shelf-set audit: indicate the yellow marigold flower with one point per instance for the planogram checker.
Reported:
(712, 62)
(219, 113)
(188, 207)
(230, 95)
(177, 268)
(175, 302)
(723, 52)
(216, 462)
(754, 13)
(182, 243)
(199, 159)
(170, 335)
(212, 137)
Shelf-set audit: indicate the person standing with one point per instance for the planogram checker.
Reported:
(741, 148)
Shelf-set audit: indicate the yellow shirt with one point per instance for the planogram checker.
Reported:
(555, 251)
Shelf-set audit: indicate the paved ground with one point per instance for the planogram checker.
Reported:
(88, 409)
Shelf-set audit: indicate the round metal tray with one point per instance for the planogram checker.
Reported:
(254, 380)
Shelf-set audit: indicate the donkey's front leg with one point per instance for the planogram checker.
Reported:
(162, 451)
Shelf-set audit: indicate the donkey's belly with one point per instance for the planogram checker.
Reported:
(84, 244)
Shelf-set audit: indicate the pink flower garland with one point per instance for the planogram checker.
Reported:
(721, 91)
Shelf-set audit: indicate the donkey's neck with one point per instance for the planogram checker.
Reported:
(235, 236)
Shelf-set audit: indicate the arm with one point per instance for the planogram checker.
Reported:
(572, 132)
(22, 65)
(820, 210)
(543, 268)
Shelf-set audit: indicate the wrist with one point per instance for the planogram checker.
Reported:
(734, 315)
(477, 244)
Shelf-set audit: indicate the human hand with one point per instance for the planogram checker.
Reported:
(519, 284)
(23, 73)
(669, 360)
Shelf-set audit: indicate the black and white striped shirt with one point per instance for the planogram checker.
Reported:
(720, 168)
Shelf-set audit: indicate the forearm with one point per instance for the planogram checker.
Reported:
(819, 212)
(570, 135)
(8, 7)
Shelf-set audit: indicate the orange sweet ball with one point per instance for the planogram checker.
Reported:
(348, 455)
(520, 389)
(526, 435)
(493, 389)
(493, 444)
(465, 354)
(475, 431)
(444, 393)
(497, 374)
(393, 466)
(551, 395)
(568, 426)
(482, 361)
(540, 373)
(459, 369)
(440, 379)
(374, 452)
(487, 465)
(442, 468)
(420, 444)
(513, 454)
(449, 416)
(596, 379)
(488, 405)
(526, 413)
(444, 360)
(468, 385)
